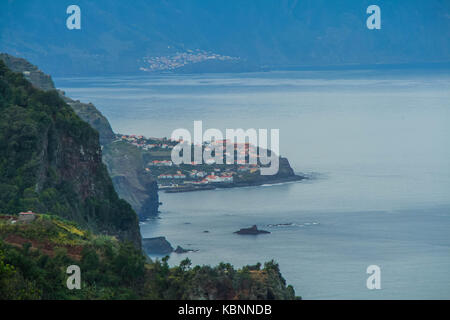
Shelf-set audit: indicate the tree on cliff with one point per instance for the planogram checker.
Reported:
(51, 162)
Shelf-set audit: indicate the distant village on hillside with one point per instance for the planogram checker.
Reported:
(181, 59)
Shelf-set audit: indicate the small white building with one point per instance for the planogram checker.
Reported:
(27, 216)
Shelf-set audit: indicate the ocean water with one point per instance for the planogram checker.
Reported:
(376, 144)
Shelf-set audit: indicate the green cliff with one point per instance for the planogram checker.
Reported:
(51, 162)
(126, 167)
(129, 181)
(89, 113)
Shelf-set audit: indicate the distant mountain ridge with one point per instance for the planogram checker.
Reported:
(117, 37)
(126, 166)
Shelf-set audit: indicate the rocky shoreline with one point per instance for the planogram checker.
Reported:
(160, 246)
(294, 178)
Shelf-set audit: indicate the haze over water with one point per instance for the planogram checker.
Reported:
(376, 143)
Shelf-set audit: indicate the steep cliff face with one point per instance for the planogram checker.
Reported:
(126, 168)
(128, 174)
(51, 162)
(89, 113)
(86, 111)
(31, 72)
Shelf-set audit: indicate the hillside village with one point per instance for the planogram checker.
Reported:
(157, 153)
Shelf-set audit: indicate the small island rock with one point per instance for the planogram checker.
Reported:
(252, 230)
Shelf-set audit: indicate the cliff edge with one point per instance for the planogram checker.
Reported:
(51, 162)
(130, 181)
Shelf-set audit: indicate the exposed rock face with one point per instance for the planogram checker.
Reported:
(51, 162)
(126, 167)
(86, 111)
(89, 113)
(260, 284)
(158, 245)
(127, 171)
(252, 230)
(31, 72)
(285, 169)
(180, 250)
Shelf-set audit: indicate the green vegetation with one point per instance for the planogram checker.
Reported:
(131, 183)
(30, 71)
(86, 111)
(50, 162)
(34, 257)
(89, 113)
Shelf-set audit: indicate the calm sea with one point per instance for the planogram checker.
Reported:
(377, 145)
